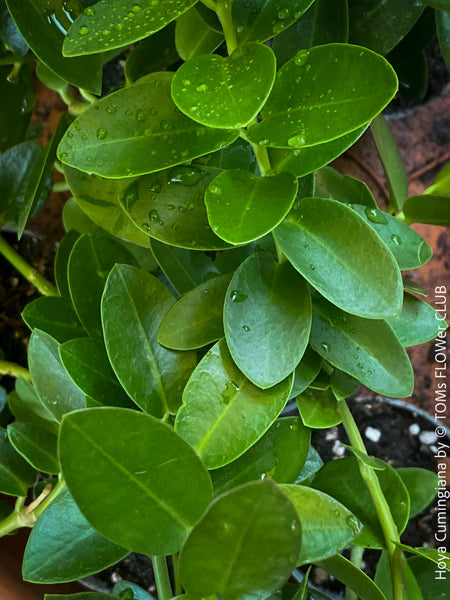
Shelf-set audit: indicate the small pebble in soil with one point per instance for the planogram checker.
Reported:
(331, 434)
(338, 448)
(427, 437)
(414, 429)
(373, 434)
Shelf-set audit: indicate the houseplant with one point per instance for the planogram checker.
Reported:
(157, 419)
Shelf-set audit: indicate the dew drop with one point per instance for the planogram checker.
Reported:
(245, 328)
(140, 115)
(375, 216)
(170, 206)
(336, 512)
(155, 187)
(360, 366)
(63, 155)
(146, 227)
(396, 239)
(283, 14)
(89, 11)
(111, 109)
(153, 215)
(353, 523)
(312, 267)
(301, 58)
(106, 32)
(181, 208)
(188, 175)
(201, 88)
(236, 296)
(101, 133)
(215, 189)
(136, 8)
(325, 346)
(69, 134)
(263, 142)
(83, 30)
(296, 140)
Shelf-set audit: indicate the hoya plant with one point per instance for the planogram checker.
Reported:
(215, 270)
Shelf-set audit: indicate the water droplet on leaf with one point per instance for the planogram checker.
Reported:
(236, 296)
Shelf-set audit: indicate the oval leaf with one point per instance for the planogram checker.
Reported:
(16, 475)
(36, 445)
(193, 36)
(428, 208)
(417, 323)
(318, 408)
(55, 316)
(101, 445)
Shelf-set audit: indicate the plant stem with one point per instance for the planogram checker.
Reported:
(386, 520)
(176, 571)
(10, 368)
(75, 107)
(223, 11)
(88, 96)
(211, 4)
(356, 555)
(60, 186)
(32, 275)
(162, 577)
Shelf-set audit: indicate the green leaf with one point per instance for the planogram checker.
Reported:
(17, 105)
(50, 79)
(443, 31)
(52, 383)
(55, 316)
(63, 546)
(302, 161)
(254, 531)
(65, 247)
(86, 361)
(138, 592)
(218, 92)
(318, 408)
(260, 20)
(193, 36)
(137, 130)
(100, 445)
(413, 77)
(342, 384)
(238, 155)
(357, 86)
(417, 323)
(80, 596)
(74, 219)
(381, 25)
(36, 445)
(9, 33)
(242, 207)
(327, 526)
(92, 258)
(432, 554)
(28, 407)
(383, 578)
(351, 576)
(267, 319)
(367, 349)
(414, 288)
(219, 434)
(421, 485)
(168, 206)
(312, 465)
(320, 237)
(425, 574)
(439, 4)
(408, 247)
(441, 184)
(342, 480)
(434, 210)
(155, 53)
(280, 454)
(197, 318)
(44, 26)
(306, 371)
(185, 269)
(344, 188)
(96, 29)
(98, 198)
(133, 306)
(16, 475)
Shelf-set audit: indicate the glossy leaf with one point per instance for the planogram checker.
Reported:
(81, 596)
(137, 130)
(168, 206)
(155, 53)
(434, 210)
(101, 445)
(417, 323)
(342, 480)
(312, 465)
(74, 219)
(408, 247)
(65, 247)
(260, 20)
(255, 531)
(267, 319)
(319, 239)
(201, 84)
(441, 184)
(52, 384)
(138, 592)
(16, 475)
(87, 363)
(96, 29)
(238, 155)
(421, 485)
(327, 526)
(185, 269)
(280, 454)
(37, 446)
(323, 110)
(364, 348)
(383, 578)
(133, 306)
(414, 288)
(9, 34)
(44, 26)
(306, 371)
(217, 433)
(193, 36)
(92, 258)
(98, 198)
(17, 105)
(28, 408)
(197, 318)
(424, 573)
(318, 408)
(55, 316)
(434, 555)
(353, 577)
(443, 31)
(342, 384)
(344, 188)
(242, 207)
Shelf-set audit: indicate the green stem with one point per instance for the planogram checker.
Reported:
(75, 107)
(12, 59)
(176, 571)
(162, 577)
(223, 11)
(356, 556)
(14, 73)
(61, 186)
(211, 4)
(386, 520)
(32, 275)
(88, 96)
(10, 368)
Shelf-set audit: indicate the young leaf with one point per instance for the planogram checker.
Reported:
(201, 84)
(161, 487)
(65, 247)
(367, 349)
(197, 318)
(16, 475)
(417, 323)
(344, 188)
(55, 316)
(306, 371)
(17, 105)
(242, 207)
(155, 53)
(51, 381)
(137, 130)
(27, 407)
(138, 592)
(312, 465)
(351, 576)
(253, 530)
(432, 554)
(96, 29)
(133, 306)
(341, 101)
(318, 408)
(267, 319)
(238, 155)
(430, 209)
(193, 36)
(421, 485)
(280, 454)
(36, 445)
(168, 206)
(218, 433)
(342, 384)
(319, 238)
(327, 525)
